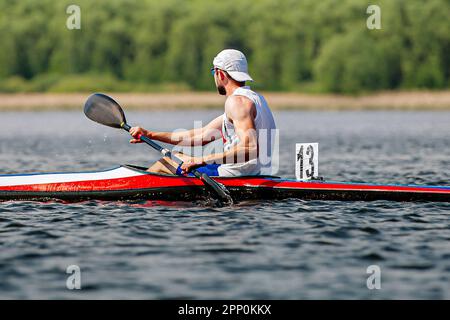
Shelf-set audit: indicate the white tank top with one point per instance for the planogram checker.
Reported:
(265, 130)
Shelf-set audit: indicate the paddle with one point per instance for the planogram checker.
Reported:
(105, 110)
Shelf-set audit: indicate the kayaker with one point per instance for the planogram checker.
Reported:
(247, 128)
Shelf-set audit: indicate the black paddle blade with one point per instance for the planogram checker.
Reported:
(104, 110)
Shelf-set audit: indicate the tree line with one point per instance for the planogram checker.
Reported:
(291, 45)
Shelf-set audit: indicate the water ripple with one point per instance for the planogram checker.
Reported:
(290, 249)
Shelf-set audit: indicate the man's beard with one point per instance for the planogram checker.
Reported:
(221, 90)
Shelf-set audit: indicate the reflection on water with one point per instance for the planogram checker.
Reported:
(284, 249)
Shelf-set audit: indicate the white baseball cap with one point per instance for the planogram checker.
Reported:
(234, 63)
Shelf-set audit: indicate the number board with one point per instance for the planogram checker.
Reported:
(306, 161)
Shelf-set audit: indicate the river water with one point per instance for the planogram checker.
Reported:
(268, 250)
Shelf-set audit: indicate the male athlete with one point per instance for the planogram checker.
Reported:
(247, 128)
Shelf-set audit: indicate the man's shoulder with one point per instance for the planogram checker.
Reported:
(238, 106)
(240, 103)
(238, 100)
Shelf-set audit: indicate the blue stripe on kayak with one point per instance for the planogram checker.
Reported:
(366, 184)
(392, 185)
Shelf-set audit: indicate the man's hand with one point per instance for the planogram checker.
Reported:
(137, 132)
(189, 162)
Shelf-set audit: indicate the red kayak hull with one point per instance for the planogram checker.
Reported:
(130, 182)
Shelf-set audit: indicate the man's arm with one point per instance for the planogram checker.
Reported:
(193, 137)
(242, 112)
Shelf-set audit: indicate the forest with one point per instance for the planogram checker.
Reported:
(291, 45)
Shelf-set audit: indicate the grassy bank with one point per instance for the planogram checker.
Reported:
(417, 100)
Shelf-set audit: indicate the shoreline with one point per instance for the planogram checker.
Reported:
(389, 100)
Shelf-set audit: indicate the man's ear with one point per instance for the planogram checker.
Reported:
(222, 75)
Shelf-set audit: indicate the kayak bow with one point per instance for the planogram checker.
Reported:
(129, 182)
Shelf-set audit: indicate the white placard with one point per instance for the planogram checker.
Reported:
(306, 161)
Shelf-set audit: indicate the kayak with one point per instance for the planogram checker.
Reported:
(128, 182)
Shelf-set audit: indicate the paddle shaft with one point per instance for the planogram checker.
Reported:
(164, 151)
